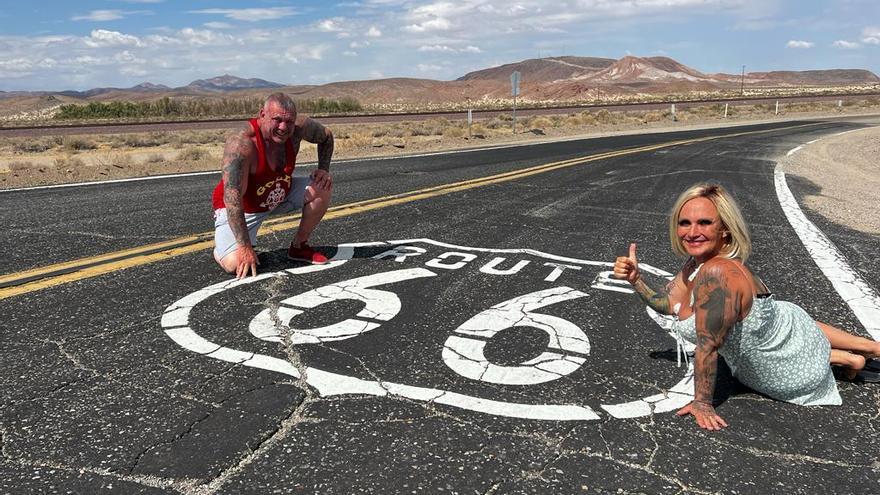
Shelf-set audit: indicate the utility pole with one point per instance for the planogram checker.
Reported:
(742, 82)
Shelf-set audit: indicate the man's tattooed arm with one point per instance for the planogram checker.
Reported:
(235, 177)
(717, 309)
(314, 132)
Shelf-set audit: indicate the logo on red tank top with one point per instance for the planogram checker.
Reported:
(276, 195)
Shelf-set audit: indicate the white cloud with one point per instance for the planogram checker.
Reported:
(349, 53)
(102, 38)
(428, 68)
(436, 48)
(218, 25)
(330, 25)
(449, 49)
(871, 35)
(88, 60)
(358, 44)
(298, 53)
(126, 57)
(99, 15)
(846, 45)
(205, 37)
(373, 32)
(438, 24)
(799, 44)
(250, 14)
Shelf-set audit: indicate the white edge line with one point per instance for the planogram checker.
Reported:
(852, 288)
(113, 181)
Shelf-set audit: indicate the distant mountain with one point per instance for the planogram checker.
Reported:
(231, 83)
(808, 77)
(543, 69)
(148, 86)
(631, 69)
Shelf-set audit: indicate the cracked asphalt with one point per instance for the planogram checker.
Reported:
(465, 343)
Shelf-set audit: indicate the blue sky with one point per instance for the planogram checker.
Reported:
(57, 45)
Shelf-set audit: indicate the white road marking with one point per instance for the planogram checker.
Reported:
(860, 297)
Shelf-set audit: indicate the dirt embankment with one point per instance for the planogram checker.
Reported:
(846, 170)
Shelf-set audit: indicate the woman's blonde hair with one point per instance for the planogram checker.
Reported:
(738, 245)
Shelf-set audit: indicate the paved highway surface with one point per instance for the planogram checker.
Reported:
(466, 340)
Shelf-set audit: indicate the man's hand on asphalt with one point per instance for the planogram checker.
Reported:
(247, 261)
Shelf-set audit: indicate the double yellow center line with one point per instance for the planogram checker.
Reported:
(14, 284)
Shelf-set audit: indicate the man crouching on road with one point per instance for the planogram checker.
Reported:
(258, 180)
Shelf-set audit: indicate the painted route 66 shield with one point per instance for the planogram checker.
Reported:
(508, 332)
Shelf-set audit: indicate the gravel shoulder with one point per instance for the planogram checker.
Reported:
(846, 172)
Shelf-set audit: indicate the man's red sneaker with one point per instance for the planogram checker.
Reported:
(305, 253)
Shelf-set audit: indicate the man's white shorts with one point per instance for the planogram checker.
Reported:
(224, 240)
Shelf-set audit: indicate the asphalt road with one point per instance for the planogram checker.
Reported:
(422, 360)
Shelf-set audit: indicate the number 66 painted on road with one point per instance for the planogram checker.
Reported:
(463, 353)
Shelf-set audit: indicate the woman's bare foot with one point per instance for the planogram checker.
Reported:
(852, 362)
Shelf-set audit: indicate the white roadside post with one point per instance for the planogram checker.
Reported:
(514, 89)
(725, 110)
(470, 121)
(777, 107)
(674, 118)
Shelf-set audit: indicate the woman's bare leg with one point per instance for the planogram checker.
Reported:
(846, 341)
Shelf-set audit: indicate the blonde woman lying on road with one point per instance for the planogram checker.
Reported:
(771, 346)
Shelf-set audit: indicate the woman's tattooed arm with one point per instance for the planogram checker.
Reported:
(717, 308)
(656, 300)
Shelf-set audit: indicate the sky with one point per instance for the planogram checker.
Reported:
(66, 45)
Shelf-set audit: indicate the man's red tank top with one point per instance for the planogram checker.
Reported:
(266, 188)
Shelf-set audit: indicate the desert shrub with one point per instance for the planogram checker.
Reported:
(539, 123)
(140, 140)
(497, 123)
(192, 154)
(76, 143)
(398, 132)
(118, 160)
(34, 145)
(355, 140)
(68, 162)
(573, 121)
(18, 166)
(379, 132)
(604, 117)
(421, 130)
(478, 130)
(652, 117)
(154, 158)
(454, 132)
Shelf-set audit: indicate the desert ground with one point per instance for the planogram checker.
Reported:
(844, 167)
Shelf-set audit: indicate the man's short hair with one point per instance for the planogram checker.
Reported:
(281, 99)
